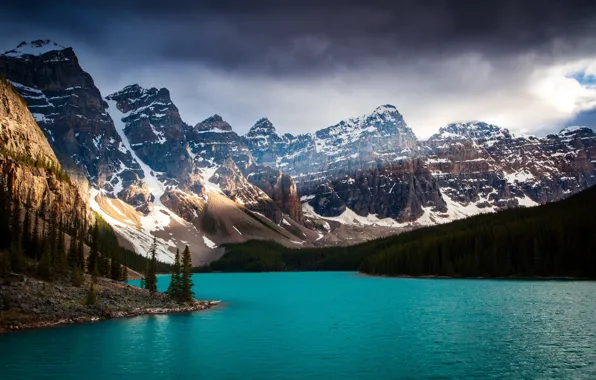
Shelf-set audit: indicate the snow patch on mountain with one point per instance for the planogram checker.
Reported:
(207, 174)
(37, 47)
(209, 243)
(520, 176)
(156, 187)
(349, 217)
(141, 239)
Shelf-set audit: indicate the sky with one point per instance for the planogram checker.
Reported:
(526, 65)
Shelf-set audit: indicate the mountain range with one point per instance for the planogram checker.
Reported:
(149, 172)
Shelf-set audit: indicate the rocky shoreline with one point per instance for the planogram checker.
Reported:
(29, 303)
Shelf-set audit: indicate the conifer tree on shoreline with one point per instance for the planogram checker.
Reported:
(175, 288)
(150, 280)
(187, 283)
(92, 260)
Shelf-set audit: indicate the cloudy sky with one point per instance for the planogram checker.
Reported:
(526, 65)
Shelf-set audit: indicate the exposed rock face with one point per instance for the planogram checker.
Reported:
(22, 142)
(382, 132)
(236, 187)
(154, 129)
(486, 166)
(398, 191)
(264, 142)
(69, 109)
(20, 133)
(279, 187)
(349, 145)
(213, 141)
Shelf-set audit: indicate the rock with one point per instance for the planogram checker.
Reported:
(70, 111)
(24, 143)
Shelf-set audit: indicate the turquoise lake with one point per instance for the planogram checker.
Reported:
(331, 325)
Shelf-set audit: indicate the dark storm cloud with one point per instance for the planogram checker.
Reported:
(308, 64)
(307, 36)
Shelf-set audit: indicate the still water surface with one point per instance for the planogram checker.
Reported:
(334, 325)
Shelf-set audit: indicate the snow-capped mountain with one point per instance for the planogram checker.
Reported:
(354, 142)
(153, 174)
(213, 140)
(69, 109)
(485, 168)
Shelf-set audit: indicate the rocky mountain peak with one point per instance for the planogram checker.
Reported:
(214, 122)
(35, 48)
(471, 130)
(576, 130)
(387, 111)
(153, 127)
(262, 127)
(134, 97)
(69, 109)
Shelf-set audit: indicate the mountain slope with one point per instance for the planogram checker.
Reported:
(553, 240)
(30, 167)
(69, 109)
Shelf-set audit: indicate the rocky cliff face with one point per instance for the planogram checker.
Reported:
(399, 191)
(485, 167)
(154, 129)
(25, 158)
(279, 187)
(212, 141)
(350, 144)
(70, 111)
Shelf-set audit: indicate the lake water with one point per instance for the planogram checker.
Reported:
(333, 325)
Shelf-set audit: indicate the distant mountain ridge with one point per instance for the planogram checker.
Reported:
(364, 177)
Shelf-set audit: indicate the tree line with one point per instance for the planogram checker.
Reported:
(553, 240)
(35, 241)
(45, 243)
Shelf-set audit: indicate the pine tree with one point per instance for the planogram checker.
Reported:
(187, 283)
(5, 263)
(4, 215)
(44, 268)
(124, 274)
(8, 209)
(51, 235)
(35, 239)
(115, 273)
(104, 263)
(76, 276)
(60, 253)
(92, 260)
(17, 259)
(91, 296)
(26, 237)
(72, 248)
(150, 282)
(80, 255)
(175, 288)
(123, 268)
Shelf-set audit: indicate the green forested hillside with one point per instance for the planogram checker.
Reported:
(557, 239)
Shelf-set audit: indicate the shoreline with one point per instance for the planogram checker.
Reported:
(198, 306)
(28, 303)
